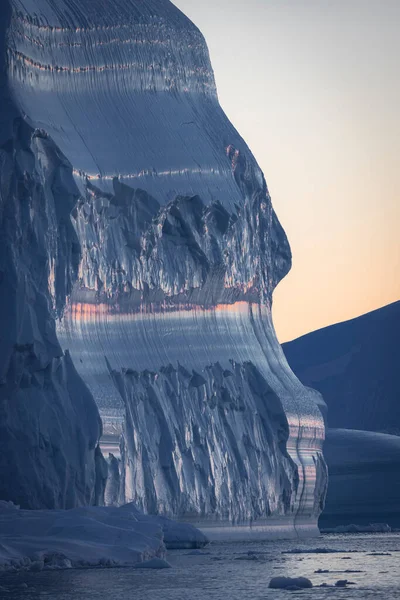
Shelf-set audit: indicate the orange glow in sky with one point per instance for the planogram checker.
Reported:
(313, 87)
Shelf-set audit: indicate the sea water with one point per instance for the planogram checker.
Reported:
(233, 572)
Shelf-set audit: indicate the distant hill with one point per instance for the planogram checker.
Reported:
(356, 367)
(364, 482)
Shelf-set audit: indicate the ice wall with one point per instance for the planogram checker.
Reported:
(49, 422)
(169, 323)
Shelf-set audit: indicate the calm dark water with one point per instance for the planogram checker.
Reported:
(229, 572)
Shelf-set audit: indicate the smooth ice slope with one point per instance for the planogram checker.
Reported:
(87, 537)
(179, 253)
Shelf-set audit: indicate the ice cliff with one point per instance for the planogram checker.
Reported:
(49, 422)
(161, 273)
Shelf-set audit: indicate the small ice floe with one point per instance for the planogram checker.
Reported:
(341, 583)
(346, 571)
(197, 553)
(290, 583)
(353, 571)
(344, 583)
(317, 551)
(153, 563)
(322, 571)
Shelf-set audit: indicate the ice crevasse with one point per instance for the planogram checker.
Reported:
(164, 299)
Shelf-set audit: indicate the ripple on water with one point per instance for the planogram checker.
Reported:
(372, 563)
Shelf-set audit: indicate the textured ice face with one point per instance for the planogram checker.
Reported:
(180, 251)
(149, 53)
(49, 422)
(131, 101)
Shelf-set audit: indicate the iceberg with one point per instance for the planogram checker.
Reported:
(162, 251)
(84, 537)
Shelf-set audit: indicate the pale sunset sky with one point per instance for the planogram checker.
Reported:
(313, 86)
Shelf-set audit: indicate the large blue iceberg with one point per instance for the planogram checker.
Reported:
(162, 289)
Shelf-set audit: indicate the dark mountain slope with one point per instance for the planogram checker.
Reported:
(356, 367)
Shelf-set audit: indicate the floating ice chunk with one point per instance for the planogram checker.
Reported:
(344, 583)
(285, 583)
(322, 571)
(346, 571)
(316, 551)
(86, 537)
(180, 535)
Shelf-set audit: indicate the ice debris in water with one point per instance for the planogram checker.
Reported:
(346, 571)
(317, 551)
(285, 583)
(343, 583)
